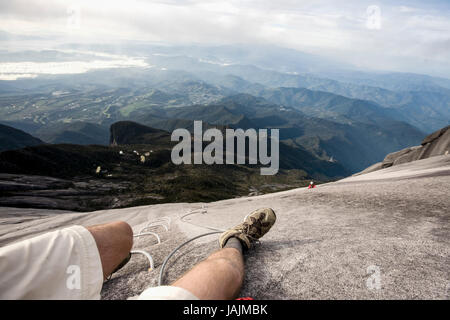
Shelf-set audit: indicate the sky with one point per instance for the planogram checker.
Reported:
(406, 36)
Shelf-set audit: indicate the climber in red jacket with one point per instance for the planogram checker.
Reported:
(311, 185)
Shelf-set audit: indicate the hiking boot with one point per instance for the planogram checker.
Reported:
(255, 225)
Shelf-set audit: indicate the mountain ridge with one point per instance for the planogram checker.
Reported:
(12, 138)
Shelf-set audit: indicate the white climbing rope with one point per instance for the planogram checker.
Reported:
(165, 223)
(161, 272)
(168, 220)
(203, 210)
(148, 233)
(154, 225)
(146, 254)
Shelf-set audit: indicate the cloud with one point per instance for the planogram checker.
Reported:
(15, 70)
(402, 33)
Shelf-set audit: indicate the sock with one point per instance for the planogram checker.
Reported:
(234, 243)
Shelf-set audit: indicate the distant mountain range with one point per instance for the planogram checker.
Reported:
(400, 91)
(327, 125)
(78, 132)
(11, 138)
(332, 111)
(362, 133)
(291, 157)
(65, 161)
(428, 109)
(136, 170)
(129, 133)
(435, 144)
(91, 129)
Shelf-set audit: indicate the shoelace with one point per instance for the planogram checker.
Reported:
(246, 228)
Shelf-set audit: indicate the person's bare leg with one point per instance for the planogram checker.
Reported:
(114, 241)
(222, 274)
(219, 277)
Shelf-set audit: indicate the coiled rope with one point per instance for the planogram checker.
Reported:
(160, 222)
(216, 231)
(161, 272)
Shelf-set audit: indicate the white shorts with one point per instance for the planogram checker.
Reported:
(63, 264)
(167, 293)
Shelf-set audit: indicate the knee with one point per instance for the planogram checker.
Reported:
(124, 227)
(126, 233)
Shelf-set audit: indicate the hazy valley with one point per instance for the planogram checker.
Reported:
(329, 128)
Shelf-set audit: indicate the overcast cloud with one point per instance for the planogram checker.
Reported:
(399, 36)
